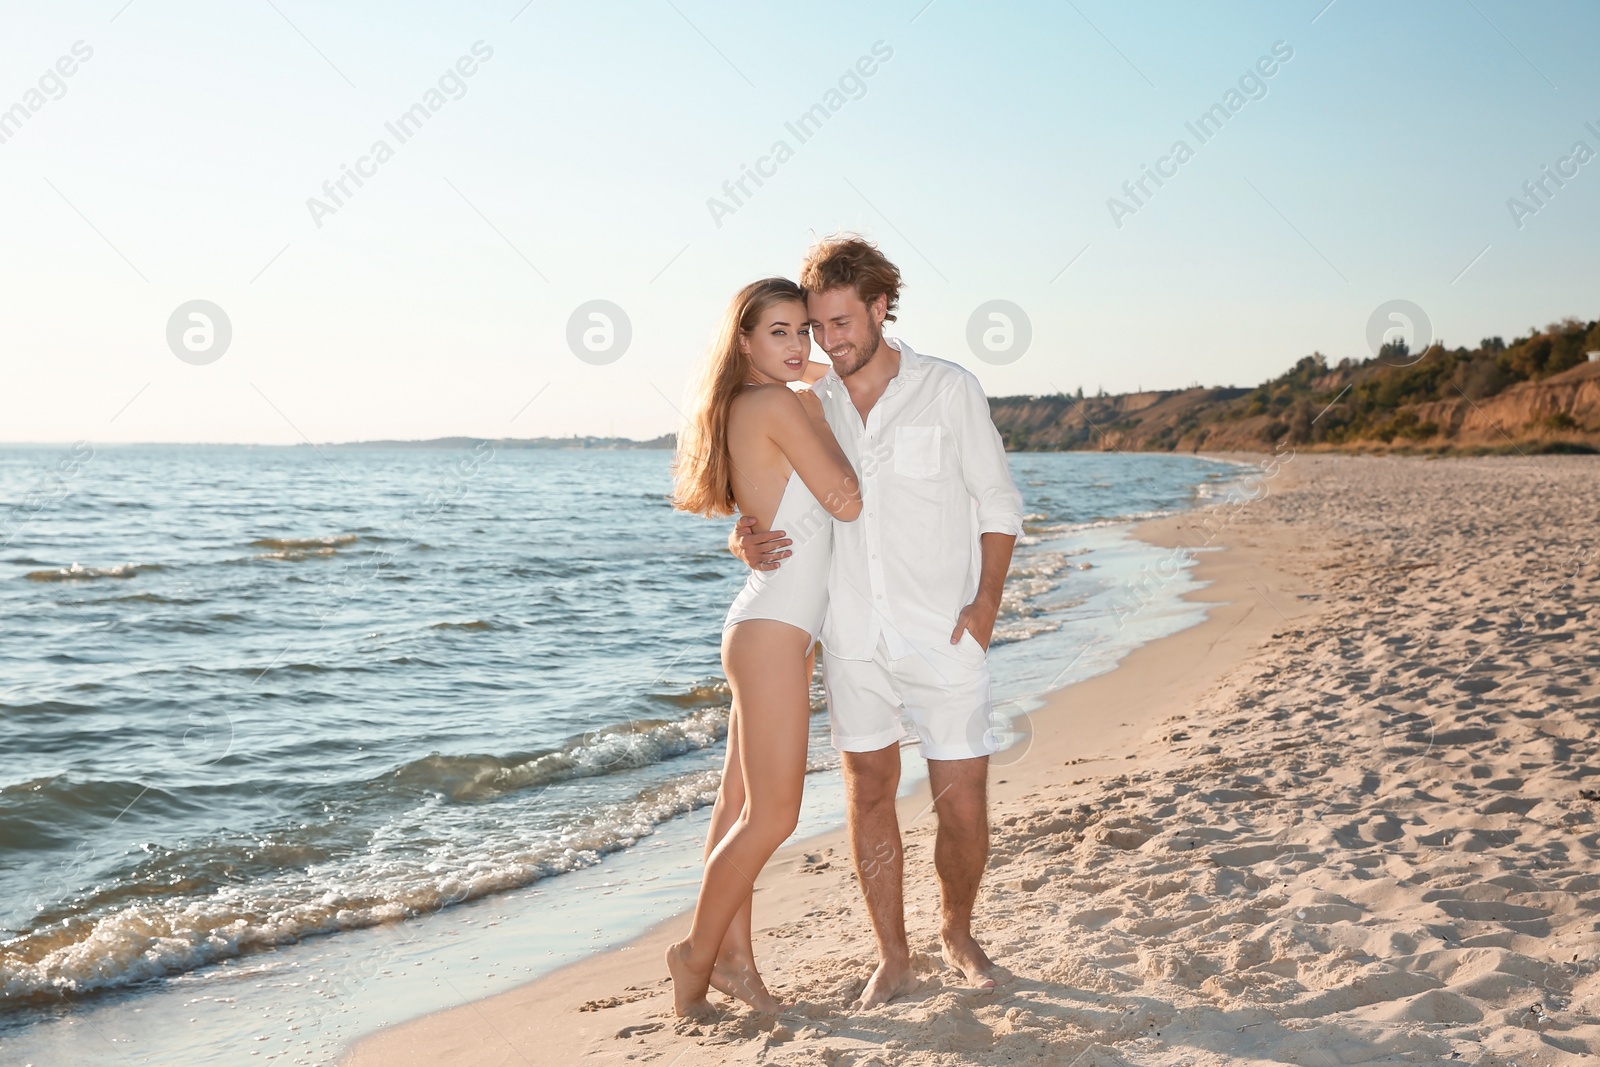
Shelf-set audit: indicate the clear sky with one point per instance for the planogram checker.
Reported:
(577, 160)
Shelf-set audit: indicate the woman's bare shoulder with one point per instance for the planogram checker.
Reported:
(768, 400)
(768, 392)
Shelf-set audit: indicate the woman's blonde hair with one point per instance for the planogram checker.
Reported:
(702, 472)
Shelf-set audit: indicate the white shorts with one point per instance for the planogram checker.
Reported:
(944, 691)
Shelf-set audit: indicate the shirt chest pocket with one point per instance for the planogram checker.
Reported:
(916, 451)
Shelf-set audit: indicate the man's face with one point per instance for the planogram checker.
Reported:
(847, 328)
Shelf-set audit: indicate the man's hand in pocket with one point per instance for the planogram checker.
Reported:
(977, 618)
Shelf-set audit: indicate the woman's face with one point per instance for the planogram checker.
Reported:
(780, 345)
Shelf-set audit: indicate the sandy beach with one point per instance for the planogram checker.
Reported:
(1349, 818)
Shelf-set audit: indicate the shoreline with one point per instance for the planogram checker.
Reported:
(567, 1013)
(309, 998)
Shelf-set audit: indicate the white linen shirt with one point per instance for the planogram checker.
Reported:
(934, 477)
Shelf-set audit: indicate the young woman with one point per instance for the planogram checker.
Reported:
(755, 445)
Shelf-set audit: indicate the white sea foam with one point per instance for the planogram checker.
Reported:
(78, 572)
(147, 940)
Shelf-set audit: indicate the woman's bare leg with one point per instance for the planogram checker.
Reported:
(735, 973)
(765, 662)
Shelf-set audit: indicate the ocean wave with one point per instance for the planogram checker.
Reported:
(1031, 578)
(1222, 482)
(1027, 608)
(295, 555)
(185, 908)
(150, 598)
(151, 939)
(1050, 531)
(61, 807)
(334, 541)
(44, 709)
(77, 572)
(467, 779)
(295, 549)
(695, 696)
(1007, 631)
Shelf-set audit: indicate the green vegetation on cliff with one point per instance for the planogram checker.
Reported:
(1540, 390)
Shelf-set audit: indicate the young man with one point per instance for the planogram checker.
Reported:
(913, 591)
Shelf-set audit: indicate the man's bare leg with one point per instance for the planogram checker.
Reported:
(961, 851)
(871, 781)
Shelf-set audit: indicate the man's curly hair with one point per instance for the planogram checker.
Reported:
(846, 259)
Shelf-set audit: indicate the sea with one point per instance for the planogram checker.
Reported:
(297, 742)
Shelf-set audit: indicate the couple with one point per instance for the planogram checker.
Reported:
(891, 482)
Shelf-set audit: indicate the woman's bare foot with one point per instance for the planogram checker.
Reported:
(887, 982)
(739, 979)
(688, 991)
(964, 955)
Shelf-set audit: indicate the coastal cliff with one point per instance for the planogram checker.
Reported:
(1539, 393)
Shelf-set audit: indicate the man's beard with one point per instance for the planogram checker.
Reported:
(876, 343)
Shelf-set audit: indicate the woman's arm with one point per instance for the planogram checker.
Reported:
(798, 427)
(814, 372)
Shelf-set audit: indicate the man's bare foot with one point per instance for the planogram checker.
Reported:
(739, 979)
(963, 954)
(688, 992)
(887, 982)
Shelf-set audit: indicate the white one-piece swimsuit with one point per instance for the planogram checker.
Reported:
(797, 591)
